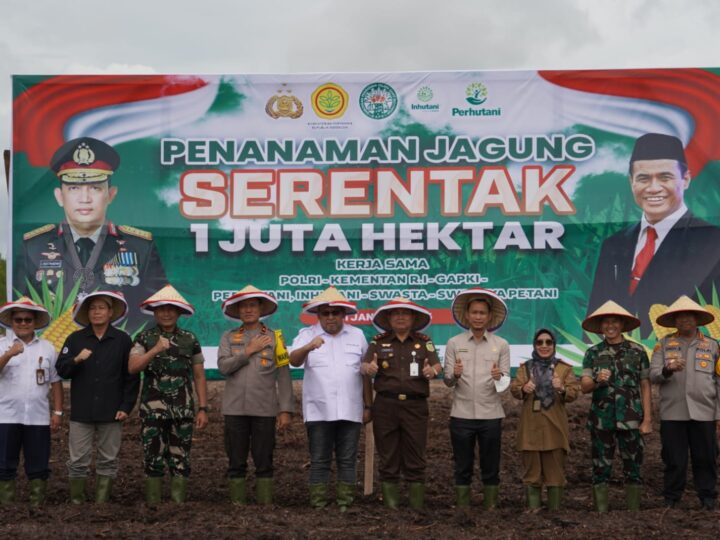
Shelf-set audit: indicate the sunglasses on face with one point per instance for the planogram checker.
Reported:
(540, 342)
(330, 312)
(21, 320)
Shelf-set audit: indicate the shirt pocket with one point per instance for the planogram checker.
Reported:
(352, 356)
(11, 370)
(319, 357)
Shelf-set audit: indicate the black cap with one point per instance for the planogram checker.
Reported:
(84, 160)
(658, 146)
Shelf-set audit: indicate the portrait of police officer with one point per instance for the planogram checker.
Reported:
(86, 248)
(670, 252)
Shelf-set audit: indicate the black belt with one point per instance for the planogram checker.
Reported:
(401, 397)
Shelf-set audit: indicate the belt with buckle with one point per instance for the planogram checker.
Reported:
(401, 397)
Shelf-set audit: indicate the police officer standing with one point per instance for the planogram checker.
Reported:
(403, 361)
(685, 365)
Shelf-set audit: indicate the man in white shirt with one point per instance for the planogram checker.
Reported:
(336, 397)
(27, 372)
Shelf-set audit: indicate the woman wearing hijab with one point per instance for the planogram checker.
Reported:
(544, 383)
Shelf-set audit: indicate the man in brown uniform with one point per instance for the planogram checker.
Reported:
(403, 361)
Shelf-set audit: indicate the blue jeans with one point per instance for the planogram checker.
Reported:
(324, 437)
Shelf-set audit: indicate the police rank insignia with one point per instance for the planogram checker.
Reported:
(122, 269)
(430, 347)
(385, 364)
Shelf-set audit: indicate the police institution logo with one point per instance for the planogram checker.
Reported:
(476, 94)
(284, 105)
(425, 95)
(378, 101)
(330, 101)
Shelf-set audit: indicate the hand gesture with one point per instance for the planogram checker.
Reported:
(557, 384)
(16, 349)
(675, 364)
(428, 370)
(458, 369)
(83, 355)
(528, 387)
(316, 343)
(495, 372)
(372, 367)
(603, 375)
(162, 345)
(258, 343)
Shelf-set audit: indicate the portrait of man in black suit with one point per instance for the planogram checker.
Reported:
(670, 252)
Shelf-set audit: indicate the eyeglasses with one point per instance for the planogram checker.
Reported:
(23, 320)
(544, 342)
(330, 313)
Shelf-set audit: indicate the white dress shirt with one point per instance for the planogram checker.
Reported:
(662, 228)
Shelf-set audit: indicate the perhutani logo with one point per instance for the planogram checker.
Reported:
(425, 94)
(329, 101)
(378, 100)
(476, 94)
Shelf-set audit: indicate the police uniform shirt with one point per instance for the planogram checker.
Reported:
(332, 384)
(22, 399)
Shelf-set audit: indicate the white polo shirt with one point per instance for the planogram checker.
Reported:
(22, 399)
(332, 386)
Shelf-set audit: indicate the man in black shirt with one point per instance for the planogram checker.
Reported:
(102, 391)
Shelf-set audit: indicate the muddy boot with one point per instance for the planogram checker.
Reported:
(238, 490)
(534, 497)
(390, 494)
(153, 490)
(417, 495)
(7, 491)
(600, 497)
(37, 488)
(632, 497)
(555, 494)
(345, 495)
(490, 497)
(462, 496)
(103, 488)
(77, 490)
(178, 489)
(318, 495)
(264, 490)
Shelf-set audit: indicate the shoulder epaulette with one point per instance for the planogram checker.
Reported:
(133, 231)
(381, 336)
(422, 337)
(38, 231)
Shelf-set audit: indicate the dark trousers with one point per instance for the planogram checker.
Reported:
(464, 435)
(324, 437)
(250, 434)
(700, 437)
(35, 444)
(400, 429)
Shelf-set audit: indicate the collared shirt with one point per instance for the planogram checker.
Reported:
(662, 228)
(476, 394)
(101, 385)
(22, 399)
(332, 384)
(94, 236)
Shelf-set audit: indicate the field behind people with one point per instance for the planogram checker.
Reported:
(208, 513)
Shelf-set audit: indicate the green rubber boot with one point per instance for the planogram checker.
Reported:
(390, 494)
(462, 496)
(238, 490)
(490, 497)
(417, 495)
(103, 489)
(632, 497)
(153, 490)
(178, 489)
(7, 491)
(345, 495)
(37, 489)
(77, 490)
(534, 497)
(264, 490)
(555, 494)
(318, 495)
(600, 497)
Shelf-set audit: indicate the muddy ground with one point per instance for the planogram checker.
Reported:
(208, 514)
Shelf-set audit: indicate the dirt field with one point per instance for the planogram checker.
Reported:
(208, 513)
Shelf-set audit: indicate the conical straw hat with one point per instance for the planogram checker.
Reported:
(268, 304)
(42, 317)
(610, 309)
(167, 296)
(498, 308)
(381, 316)
(330, 297)
(685, 303)
(117, 302)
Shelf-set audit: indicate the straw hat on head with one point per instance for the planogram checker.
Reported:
(330, 297)
(498, 308)
(115, 300)
(268, 304)
(381, 318)
(167, 296)
(685, 304)
(610, 309)
(42, 317)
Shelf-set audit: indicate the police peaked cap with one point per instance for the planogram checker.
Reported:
(84, 160)
(658, 146)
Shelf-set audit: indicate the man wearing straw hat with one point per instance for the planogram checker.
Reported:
(477, 367)
(685, 366)
(171, 360)
(403, 361)
(258, 389)
(102, 390)
(334, 407)
(27, 372)
(617, 372)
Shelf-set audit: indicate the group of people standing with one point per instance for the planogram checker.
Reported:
(348, 382)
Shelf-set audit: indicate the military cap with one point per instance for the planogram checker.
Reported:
(658, 146)
(84, 160)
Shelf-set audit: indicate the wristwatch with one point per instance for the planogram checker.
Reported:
(57, 413)
(204, 408)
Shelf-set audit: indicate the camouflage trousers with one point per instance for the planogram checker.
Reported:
(630, 444)
(167, 441)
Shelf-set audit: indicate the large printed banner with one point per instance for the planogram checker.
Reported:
(382, 184)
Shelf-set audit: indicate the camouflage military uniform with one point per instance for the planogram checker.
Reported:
(616, 411)
(166, 403)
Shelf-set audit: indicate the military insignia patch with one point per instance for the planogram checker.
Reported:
(430, 347)
(385, 364)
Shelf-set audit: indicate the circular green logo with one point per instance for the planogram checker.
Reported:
(424, 94)
(476, 93)
(378, 101)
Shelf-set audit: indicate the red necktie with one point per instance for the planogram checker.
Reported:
(643, 259)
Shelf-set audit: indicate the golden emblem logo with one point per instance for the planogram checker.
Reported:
(330, 101)
(83, 155)
(284, 105)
